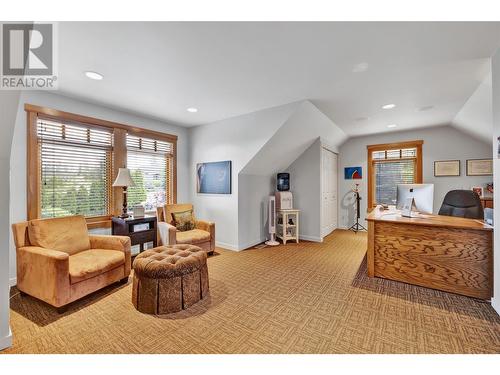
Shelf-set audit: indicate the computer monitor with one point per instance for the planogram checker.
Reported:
(423, 194)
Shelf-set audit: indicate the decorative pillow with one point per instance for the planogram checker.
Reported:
(184, 220)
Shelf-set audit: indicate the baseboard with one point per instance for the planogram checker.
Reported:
(13, 281)
(226, 246)
(310, 238)
(250, 244)
(495, 303)
(6, 342)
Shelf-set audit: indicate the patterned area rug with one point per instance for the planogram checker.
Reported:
(299, 298)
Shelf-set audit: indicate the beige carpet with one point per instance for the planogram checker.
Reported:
(305, 298)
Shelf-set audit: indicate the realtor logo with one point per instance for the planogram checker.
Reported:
(28, 57)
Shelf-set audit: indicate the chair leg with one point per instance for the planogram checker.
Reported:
(62, 309)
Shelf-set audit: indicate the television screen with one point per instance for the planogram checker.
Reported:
(214, 178)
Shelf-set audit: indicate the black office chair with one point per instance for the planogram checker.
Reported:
(462, 203)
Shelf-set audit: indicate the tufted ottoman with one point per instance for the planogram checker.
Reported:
(168, 279)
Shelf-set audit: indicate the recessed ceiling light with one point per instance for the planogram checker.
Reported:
(388, 106)
(359, 68)
(425, 108)
(192, 109)
(391, 126)
(94, 75)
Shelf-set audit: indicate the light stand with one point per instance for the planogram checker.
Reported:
(356, 227)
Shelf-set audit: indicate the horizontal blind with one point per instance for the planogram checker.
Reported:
(149, 161)
(388, 174)
(75, 165)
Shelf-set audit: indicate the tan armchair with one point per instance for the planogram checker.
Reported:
(202, 236)
(59, 262)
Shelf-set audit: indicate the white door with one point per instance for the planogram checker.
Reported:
(329, 192)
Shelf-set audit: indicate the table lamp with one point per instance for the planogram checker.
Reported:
(124, 180)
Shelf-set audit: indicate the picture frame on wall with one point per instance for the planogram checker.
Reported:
(479, 167)
(447, 168)
(213, 177)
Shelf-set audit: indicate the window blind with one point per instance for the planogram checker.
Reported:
(75, 169)
(150, 164)
(388, 174)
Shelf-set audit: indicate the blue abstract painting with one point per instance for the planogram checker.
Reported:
(352, 173)
(214, 178)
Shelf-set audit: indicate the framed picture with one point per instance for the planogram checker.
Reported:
(353, 173)
(446, 168)
(214, 177)
(479, 167)
(478, 190)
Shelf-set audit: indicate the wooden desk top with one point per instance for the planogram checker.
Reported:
(430, 220)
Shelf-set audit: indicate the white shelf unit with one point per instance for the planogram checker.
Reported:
(284, 230)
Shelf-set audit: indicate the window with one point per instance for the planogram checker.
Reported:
(75, 169)
(73, 161)
(150, 164)
(390, 165)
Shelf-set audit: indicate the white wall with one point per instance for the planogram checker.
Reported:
(305, 184)
(237, 139)
(8, 105)
(18, 154)
(440, 143)
(495, 62)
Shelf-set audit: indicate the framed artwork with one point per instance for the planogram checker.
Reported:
(446, 168)
(479, 167)
(478, 190)
(214, 177)
(353, 173)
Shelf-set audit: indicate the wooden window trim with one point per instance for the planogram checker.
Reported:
(119, 159)
(392, 146)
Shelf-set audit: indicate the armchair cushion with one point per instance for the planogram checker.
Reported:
(90, 263)
(194, 236)
(68, 234)
(184, 220)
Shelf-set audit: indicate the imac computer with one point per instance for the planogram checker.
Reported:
(423, 194)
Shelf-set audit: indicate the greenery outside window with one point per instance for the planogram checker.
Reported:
(75, 169)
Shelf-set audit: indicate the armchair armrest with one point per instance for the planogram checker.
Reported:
(166, 234)
(119, 243)
(44, 273)
(207, 226)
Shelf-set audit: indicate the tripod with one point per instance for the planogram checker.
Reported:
(356, 227)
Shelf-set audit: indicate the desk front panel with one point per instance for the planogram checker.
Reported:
(449, 259)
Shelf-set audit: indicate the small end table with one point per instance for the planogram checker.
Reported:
(140, 229)
(288, 225)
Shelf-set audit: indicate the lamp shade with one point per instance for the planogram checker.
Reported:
(124, 179)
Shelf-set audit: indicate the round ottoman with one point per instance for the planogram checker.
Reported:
(168, 279)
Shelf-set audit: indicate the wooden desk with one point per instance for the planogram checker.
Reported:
(440, 252)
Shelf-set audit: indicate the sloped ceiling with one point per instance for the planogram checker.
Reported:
(303, 127)
(226, 69)
(475, 117)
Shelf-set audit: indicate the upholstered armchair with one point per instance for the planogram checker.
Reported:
(59, 262)
(203, 235)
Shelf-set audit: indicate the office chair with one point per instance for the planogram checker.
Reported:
(462, 203)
